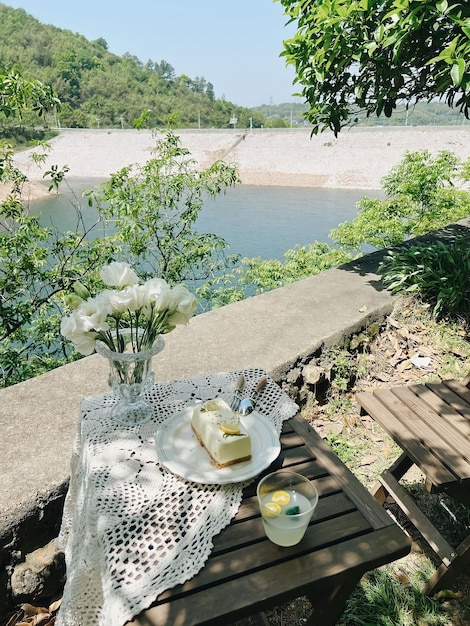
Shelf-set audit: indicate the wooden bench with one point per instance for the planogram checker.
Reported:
(431, 424)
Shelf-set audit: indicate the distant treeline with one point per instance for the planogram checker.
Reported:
(101, 89)
(422, 114)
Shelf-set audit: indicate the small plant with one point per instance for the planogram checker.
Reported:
(348, 450)
(438, 272)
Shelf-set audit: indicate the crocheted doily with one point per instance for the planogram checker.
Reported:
(131, 529)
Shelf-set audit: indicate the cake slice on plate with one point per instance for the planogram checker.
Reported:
(220, 432)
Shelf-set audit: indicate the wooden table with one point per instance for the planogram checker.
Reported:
(431, 424)
(350, 534)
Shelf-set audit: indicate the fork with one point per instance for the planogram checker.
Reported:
(237, 396)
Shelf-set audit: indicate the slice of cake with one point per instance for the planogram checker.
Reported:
(220, 432)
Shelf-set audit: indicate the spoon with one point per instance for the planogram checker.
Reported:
(237, 393)
(247, 405)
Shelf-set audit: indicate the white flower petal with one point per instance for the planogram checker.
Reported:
(119, 274)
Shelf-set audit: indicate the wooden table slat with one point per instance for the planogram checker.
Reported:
(349, 483)
(238, 533)
(458, 398)
(244, 559)
(376, 407)
(243, 596)
(425, 422)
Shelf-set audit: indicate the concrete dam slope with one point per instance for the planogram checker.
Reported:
(357, 158)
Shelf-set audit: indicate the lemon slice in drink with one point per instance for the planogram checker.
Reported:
(271, 509)
(230, 429)
(281, 497)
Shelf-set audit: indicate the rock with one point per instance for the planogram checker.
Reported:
(312, 374)
(40, 575)
(293, 375)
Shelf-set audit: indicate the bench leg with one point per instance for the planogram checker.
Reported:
(453, 560)
(446, 574)
(328, 611)
(397, 470)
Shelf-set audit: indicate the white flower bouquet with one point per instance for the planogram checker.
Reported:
(132, 315)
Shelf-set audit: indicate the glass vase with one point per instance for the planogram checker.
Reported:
(130, 377)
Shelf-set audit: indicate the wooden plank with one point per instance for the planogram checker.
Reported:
(445, 576)
(426, 424)
(450, 407)
(376, 405)
(406, 503)
(336, 468)
(264, 588)
(247, 529)
(458, 397)
(262, 554)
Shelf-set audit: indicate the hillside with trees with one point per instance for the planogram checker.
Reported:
(101, 89)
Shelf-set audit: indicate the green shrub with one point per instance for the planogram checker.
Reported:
(437, 272)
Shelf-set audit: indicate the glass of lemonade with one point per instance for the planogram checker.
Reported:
(287, 501)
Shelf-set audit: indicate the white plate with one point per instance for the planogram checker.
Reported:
(180, 452)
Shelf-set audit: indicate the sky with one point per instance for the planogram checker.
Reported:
(233, 45)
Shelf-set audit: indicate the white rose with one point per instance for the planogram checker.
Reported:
(159, 294)
(91, 315)
(119, 274)
(69, 326)
(85, 343)
(141, 297)
(183, 303)
(117, 300)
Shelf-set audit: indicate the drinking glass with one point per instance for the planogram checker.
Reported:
(287, 501)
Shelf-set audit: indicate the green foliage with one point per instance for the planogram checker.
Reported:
(19, 93)
(438, 272)
(99, 89)
(152, 210)
(36, 264)
(146, 214)
(419, 114)
(364, 57)
(420, 197)
(256, 275)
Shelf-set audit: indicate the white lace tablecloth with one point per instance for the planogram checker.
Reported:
(130, 528)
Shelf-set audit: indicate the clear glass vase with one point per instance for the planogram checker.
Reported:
(130, 376)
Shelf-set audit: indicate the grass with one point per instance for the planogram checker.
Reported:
(391, 596)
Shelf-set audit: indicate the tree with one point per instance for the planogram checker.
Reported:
(256, 275)
(152, 209)
(18, 94)
(420, 197)
(363, 57)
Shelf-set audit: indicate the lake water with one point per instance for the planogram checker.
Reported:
(254, 220)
